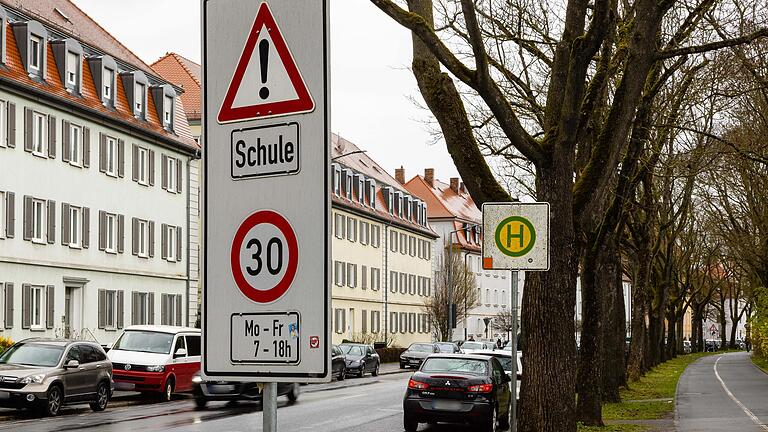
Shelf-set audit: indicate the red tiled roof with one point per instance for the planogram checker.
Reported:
(363, 164)
(186, 74)
(78, 24)
(90, 98)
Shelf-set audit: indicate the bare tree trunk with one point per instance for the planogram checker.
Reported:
(635, 364)
(589, 374)
(615, 328)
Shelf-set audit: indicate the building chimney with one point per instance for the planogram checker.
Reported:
(455, 184)
(462, 187)
(429, 176)
(400, 175)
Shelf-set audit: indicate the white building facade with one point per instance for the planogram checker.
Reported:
(94, 195)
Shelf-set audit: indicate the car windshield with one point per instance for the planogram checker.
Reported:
(472, 345)
(470, 366)
(354, 350)
(445, 347)
(32, 355)
(427, 348)
(145, 341)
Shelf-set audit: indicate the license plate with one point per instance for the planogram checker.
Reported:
(221, 388)
(5, 395)
(414, 362)
(446, 405)
(124, 386)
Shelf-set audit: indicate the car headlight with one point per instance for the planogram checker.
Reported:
(157, 368)
(33, 379)
(197, 379)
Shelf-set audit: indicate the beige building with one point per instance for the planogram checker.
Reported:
(382, 253)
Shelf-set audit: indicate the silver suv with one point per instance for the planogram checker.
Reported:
(48, 373)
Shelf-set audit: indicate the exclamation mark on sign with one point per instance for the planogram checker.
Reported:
(264, 60)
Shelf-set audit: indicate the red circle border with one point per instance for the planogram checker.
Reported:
(274, 293)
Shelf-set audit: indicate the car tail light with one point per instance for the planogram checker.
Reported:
(417, 385)
(480, 388)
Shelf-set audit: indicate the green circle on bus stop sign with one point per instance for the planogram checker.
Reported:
(517, 239)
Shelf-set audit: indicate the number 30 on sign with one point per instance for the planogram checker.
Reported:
(264, 256)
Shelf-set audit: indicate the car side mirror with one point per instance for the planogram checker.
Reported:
(181, 352)
(72, 364)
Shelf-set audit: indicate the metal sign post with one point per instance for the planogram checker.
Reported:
(265, 201)
(516, 237)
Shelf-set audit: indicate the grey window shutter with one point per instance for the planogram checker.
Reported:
(26, 307)
(86, 147)
(120, 158)
(49, 305)
(164, 241)
(51, 137)
(134, 307)
(178, 175)
(120, 233)
(178, 244)
(163, 309)
(102, 230)
(86, 227)
(27, 222)
(65, 224)
(28, 129)
(11, 122)
(151, 168)
(178, 310)
(151, 309)
(120, 309)
(164, 171)
(102, 308)
(135, 162)
(151, 236)
(9, 305)
(364, 316)
(65, 143)
(134, 236)
(102, 152)
(51, 234)
(10, 215)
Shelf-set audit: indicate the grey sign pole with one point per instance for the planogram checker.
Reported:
(269, 407)
(513, 420)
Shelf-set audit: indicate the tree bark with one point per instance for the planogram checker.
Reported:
(589, 374)
(635, 368)
(615, 328)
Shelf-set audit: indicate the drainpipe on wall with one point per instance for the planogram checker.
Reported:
(386, 278)
(189, 275)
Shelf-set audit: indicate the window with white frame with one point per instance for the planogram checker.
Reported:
(171, 242)
(142, 238)
(38, 221)
(3, 124)
(111, 156)
(38, 133)
(141, 308)
(338, 226)
(167, 107)
(75, 144)
(143, 165)
(110, 231)
(487, 296)
(73, 61)
(2, 214)
(375, 278)
(364, 233)
(36, 297)
(35, 53)
(75, 226)
(170, 172)
(138, 96)
(108, 79)
(171, 314)
(110, 312)
(351, 229)
(351, 275)
(375, 236)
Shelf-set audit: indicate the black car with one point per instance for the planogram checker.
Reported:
(458, 388)
(360, 359)
(416, 353)
(205, 391)
(448, 347)
(338, 363)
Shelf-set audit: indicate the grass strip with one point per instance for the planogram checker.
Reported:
(760, 362)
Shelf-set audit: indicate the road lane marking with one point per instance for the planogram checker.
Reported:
(351, 397)
(746, 410)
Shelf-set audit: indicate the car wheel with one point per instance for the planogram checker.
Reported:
(102, 398)
(409, 424)
(293, 395)
(402, 366)
(55, 399)
(343, 373)
(167, 390)
(362, 371)
(492, 422)
(375, 370)
(200, 402)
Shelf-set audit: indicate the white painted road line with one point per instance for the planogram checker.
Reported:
(746, 410)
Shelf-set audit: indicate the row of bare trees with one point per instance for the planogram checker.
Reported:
(616, 113)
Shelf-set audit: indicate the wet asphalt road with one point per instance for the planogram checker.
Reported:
(722, 393)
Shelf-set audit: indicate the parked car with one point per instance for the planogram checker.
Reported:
(361, 358)
(156, 359)
(448, 347)
(416, 353)
(469, 347)
(458, 388)
(505, 358)
(205, 391)
(48, 373)
(338, 363)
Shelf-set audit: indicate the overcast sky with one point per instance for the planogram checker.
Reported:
(371, 85)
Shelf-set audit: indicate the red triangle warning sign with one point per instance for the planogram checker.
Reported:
(266, 82)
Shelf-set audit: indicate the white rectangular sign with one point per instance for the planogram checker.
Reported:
(266, 206)
(516, 236)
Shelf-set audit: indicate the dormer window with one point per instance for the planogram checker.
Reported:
(336, 179)
(371, 193)
(73, 61)
(140, 94)
(108, 80)
(167, 107)
(31, 38)
(68, 55)
(35, 51)
(164, 97)
(137, 99)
